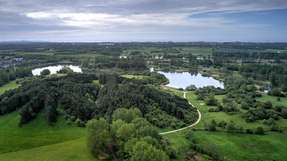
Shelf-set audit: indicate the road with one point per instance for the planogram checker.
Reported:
(192, 125)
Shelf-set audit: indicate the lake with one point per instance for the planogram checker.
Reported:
(55, 69)
(185, 79)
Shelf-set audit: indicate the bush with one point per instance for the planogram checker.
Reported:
(249, 131)
(45, 72)
(211, 101)
(259, 131)
(284, 113)
(276, 92)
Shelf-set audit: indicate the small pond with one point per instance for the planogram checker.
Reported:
(185, 79)
(55, 69)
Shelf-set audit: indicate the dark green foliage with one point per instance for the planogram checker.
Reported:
(260, 114)
(72, 95)
(76, 97)
(134, 140)
(162, 119)
(65, 70)
(283, 113)
(211, 126)
(145, 98)
(276, 92)
(7, 75)
(45, 72)
(211, 101)
(259, 131)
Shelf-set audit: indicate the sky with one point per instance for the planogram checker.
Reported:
(143, 20)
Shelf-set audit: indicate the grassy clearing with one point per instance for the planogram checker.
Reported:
(219, 116)
(232, 146)
(245, 147)
(74, 150)
(35, 134)
(138, 77)
(274, 100)
(9, 86)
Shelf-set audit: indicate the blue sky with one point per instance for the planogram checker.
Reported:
(143, 20)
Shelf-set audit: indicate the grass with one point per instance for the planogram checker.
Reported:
(74, 150)
(245, 147)
(138, 77)
(271, 146)
(35, 134)
(39, 141)
(8, 86)
(274, 100)
(219, 116)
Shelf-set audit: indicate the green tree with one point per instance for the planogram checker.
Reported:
(100, 142)
(126, 114)
(45, 72)
(142, 151)
(259, 131)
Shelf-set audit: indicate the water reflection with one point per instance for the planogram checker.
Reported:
(55, 69)
(185, 79)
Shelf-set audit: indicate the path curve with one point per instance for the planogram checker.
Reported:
(192, 125)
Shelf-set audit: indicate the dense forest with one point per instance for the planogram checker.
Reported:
(77, 98)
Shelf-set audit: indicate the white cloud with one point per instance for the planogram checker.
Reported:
(87, 20)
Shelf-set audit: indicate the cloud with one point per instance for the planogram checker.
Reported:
(89, 20)
(134, 17)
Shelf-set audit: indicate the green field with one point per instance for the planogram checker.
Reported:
(274, 100)
(219, 116)
(230, 145)
(39, 141)
(8, 86)
(245, 147)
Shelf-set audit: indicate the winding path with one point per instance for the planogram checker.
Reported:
(192, 125)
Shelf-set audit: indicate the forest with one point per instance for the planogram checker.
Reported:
(119, 106)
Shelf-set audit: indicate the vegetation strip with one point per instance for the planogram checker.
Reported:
(192, 125)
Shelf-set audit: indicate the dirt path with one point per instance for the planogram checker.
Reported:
(192, 125)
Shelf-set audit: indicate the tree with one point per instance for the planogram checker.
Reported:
(65, 70)
(267, 105)
(45, 72)
(100, 142)
(211, 101)
(142, 151)
(259, 131)
(211, 126)
(284, 113)
(126, 114)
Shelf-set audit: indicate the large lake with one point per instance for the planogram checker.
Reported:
(55, 69)
(185, 79)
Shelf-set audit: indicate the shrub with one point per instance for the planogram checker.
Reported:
(259, 131)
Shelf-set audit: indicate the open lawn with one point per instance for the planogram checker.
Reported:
(245, 147)
(74, 150)
(8, 86)
(35, 134)
(38, 141)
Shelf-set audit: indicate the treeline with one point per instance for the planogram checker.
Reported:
(276, 74)
(73, 96)
(147, 98)
(135, 63)
(78, 99)
(247, 56)
(7, 75)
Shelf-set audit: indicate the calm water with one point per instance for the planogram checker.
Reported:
(185, 79)
(55, 69)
